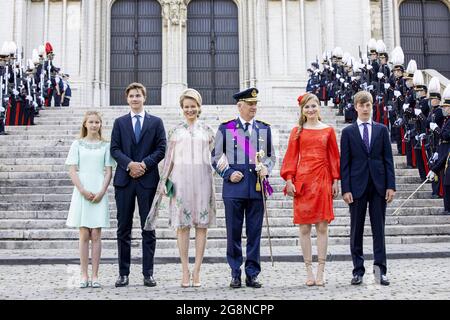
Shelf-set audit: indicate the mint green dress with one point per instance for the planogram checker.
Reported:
(91, 159)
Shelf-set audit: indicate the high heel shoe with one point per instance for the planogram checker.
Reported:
(310, 275)
(194, 283)
(186, 284)
(320, 273)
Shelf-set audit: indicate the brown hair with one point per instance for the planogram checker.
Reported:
(362, 97)
(194, 95)
(138, 86)
(83, 130)
(302, 103)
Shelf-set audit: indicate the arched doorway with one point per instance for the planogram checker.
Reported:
(136, 48)
(425, 34)
(213, 49)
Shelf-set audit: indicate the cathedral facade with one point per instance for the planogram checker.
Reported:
(215, 46)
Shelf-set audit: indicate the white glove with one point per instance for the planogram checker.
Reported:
(417, 137)
(342, 80)
(352, 78)
(405, 106)
(417, 111)
(380, 75)
(35, 105)
(57, 80)
(346, 85)
(387, 85)
(435, 156)
(15, 92)
(369, 67)
(331, 69)
(49, 82)
(2, 109)
(389, 107)
(338, 76)
(433, 126)
(397, 93)
(370, 88)
(262, 170)
(29, 98)
(430, 176)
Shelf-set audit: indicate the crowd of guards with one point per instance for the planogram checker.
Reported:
(415, 112)
(28, 86)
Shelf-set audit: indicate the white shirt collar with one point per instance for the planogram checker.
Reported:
(243, 121)
(142, 114)
(359, 122)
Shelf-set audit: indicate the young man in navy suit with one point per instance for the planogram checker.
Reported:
(138, 144)
(367, 173)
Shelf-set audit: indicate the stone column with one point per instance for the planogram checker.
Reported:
(174, 38)
(327, 21)
(46, 18)
(388, 24)
(64, 36)
(19, 23)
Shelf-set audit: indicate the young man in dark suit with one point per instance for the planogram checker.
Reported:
(138, 144)
(367, 173)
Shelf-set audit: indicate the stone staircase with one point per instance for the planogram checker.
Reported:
(35, 188)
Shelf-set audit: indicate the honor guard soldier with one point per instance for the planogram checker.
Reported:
(421, 112)
(396, 98)
(435, 122)
(67, 91)
(408, 114)
(443, 161)
(236, 146)
(4, 53)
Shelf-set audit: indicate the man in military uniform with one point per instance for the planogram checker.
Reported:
(4, 53)
(442, 163)
(67, 91)
(236, 146)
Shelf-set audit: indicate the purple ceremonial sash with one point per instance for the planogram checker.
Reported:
(241, 140)
(267, 187)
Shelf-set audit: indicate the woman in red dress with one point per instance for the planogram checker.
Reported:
(311, 171)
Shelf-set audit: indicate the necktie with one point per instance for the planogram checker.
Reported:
(246, 126)
(137, 128)
(366, 136)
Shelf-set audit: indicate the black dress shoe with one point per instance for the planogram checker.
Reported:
(252, 282)
(235, 283)
(149, 281)
(122, 281)
(384, 281)
(357, 279)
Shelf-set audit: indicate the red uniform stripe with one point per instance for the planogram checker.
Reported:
(425, 160)
(8, 113)
(402, 134)
(16, 122)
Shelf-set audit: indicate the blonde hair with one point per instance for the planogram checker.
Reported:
(194, 95)
(303, 102)
(362, 97)
(83, 130)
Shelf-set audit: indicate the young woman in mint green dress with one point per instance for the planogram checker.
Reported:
(90, 166)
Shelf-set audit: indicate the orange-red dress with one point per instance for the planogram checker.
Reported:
(312, 162)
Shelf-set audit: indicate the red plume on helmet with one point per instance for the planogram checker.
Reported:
(48, 48)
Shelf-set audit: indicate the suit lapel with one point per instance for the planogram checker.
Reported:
(375, 133)
(146, 125)
(129, 127)
(359, 138)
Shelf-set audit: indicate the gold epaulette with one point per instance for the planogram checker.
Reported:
(227, 121)
(264, 122)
